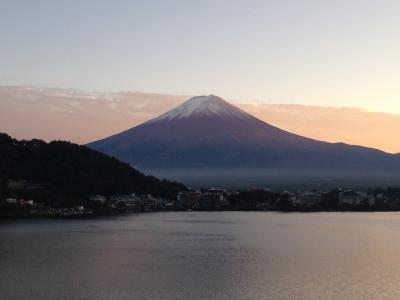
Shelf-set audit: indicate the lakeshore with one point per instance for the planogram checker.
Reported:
(207, 200)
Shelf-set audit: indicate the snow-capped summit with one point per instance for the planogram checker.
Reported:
(210, 105)
(207, 136)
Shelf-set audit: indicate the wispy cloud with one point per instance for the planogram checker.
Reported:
(82, 116)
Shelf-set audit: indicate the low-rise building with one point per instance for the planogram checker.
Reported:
(24, 203)
(188, 200)
(16, 184)
(213, 199)
(351, 198)
(98, 198)
(149, 202)
(11, 200)
(308, 199)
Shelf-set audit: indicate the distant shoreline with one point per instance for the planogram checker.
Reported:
(5, 217)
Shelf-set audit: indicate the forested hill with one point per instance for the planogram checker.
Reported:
(65, 169)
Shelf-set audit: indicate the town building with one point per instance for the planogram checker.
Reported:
(351, 198)
(214, 199)
(98, 198)
(188, 200)
(308, 199)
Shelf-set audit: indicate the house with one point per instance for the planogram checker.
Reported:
(351, 198)
(19, 185)
(24, 203)
(98, 198)
(371, 200)
(308, 199)
(11, 200)
(128, 203)
(188, 200)
(213, 199)
(16, 184)
(383, 200)
(149, 202)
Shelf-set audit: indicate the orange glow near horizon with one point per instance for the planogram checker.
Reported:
(81, 119)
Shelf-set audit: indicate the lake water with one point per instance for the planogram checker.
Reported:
(203, 255)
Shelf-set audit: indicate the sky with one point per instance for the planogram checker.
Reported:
(327, 53)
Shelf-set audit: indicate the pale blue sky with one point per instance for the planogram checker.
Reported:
(330, 53)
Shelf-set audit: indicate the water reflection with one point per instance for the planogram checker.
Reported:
(215, 255)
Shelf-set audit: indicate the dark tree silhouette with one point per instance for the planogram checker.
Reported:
(67, 172)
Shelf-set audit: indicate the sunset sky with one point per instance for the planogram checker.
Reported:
(82, 117)
(324, 53)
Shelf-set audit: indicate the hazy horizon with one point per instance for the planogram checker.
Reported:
(27, 111)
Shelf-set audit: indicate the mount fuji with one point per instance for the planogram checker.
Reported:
(207, 140)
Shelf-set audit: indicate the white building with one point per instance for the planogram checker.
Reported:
(350, 197)
(11, 200)
(308, 199)
(98, 198)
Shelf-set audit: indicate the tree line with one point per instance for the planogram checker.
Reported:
(59, 171)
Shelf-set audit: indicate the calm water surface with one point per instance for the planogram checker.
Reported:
(203, 255)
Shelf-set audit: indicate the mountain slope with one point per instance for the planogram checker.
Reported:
(207, 132)
(103, 114)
